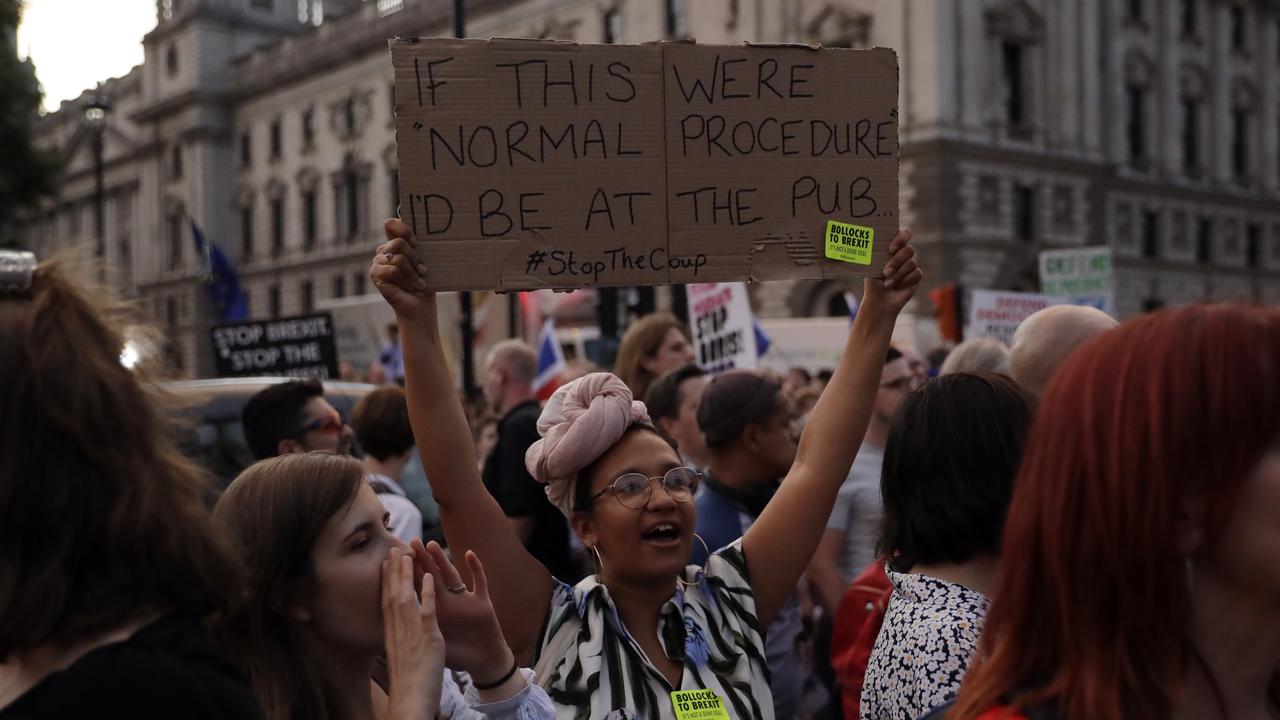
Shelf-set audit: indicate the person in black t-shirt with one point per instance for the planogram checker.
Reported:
(508, 386)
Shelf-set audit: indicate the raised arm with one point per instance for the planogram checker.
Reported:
(782, 541)
(472, 520)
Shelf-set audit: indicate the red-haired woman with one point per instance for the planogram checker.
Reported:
(1140, 575)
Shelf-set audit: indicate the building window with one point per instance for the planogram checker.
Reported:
(246, 150)
(171, 60)
(612, 26)
(339, 286)
(1238, 30)
(171, 312)
(175, 241)
(1015, 97)
(386, 7)
(1135, 124)
(394, 177)
(308, 296)
(246, 232)
(349, 115)
(273, 301)
(1189, 19)
(1190, 136)
(357, 283)
(1150, 234)
(175, 162)
(1240, 144)
(277, 226)
(1135, 10)
(1252, 245)
(309, 219)
(275, 139)
(349, 203)
(1024, 215)
(168, 8)
(1204, 241)
(676, 26)
(308, 127)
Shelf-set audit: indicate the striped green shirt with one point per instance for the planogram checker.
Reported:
(709, 626)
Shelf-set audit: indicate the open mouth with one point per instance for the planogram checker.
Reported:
(662, 534)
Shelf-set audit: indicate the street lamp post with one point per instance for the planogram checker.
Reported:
(464, 298)
(95, 114)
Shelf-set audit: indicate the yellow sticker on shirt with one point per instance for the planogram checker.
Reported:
(698, 705)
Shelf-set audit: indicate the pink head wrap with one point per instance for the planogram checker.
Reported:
(581, 421)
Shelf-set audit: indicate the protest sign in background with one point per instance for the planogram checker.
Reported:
(296, 347)
(997, 313)
(722, 326)
(541, 164)
(1082, 274)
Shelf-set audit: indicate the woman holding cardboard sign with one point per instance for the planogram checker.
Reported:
(646, 636)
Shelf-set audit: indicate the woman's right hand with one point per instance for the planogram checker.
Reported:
(414, 644)
(398, 273)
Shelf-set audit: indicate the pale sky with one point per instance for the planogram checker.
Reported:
(76, 44)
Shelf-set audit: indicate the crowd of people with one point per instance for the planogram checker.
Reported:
(1083, 524)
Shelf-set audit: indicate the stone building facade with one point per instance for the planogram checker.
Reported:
(1152, 126)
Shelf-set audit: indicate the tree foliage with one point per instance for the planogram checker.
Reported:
(26, 172)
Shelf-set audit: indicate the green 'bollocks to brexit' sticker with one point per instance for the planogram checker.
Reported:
(698, 705)
(849, 243)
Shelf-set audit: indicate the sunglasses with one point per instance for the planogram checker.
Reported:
(331, 424)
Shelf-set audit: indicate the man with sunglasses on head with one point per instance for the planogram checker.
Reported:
(750, 431)
(293, 417)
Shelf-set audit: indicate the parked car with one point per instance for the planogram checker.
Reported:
(216, 438)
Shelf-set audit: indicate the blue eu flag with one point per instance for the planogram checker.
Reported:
(226, 295)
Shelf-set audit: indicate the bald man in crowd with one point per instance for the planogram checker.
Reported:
(1044, 341)
(508, 387)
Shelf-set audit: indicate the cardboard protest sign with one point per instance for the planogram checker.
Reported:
(996, 313)
(295, 347)
(723, 327)
(541, 164)
(1082, 274)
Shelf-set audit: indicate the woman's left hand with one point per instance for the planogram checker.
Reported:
(415, 647)
(471, 630)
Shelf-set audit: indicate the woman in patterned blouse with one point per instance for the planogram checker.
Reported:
(646, 632)
(949, 463)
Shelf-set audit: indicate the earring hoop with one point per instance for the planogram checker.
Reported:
(599, 560)
(701, 568)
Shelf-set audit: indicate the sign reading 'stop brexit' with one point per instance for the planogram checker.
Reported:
(531, 164)
(293, 347)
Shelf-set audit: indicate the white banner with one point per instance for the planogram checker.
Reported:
(1082, 274)
(998, 313)
(722, 326)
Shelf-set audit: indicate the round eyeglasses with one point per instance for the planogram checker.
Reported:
(633, 489)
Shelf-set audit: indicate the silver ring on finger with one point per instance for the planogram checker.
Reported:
(389, 257)
(457, 589)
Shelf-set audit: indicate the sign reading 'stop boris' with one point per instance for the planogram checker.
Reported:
(540, 164)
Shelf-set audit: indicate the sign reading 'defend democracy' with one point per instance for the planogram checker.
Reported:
(540, 164)
(724, 336)
(997, 313)
(294, 347)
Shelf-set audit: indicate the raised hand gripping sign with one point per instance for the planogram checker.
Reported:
(540, 164)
